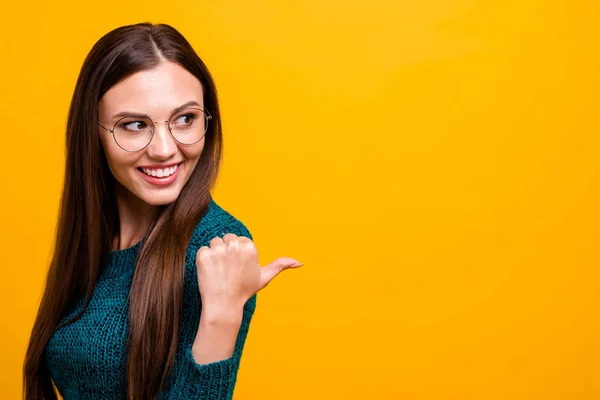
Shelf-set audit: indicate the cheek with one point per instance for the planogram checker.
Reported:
(121, 164)
(192, 154)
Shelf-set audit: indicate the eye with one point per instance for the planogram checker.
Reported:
(134, 126)
(185, 120)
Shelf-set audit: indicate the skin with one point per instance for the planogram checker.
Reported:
(228, 269)
(153, 92)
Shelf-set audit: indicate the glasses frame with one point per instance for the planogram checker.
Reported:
(207, 117)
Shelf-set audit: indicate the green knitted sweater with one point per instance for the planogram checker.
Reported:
(87, 358)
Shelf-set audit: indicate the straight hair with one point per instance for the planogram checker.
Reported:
(88, 217)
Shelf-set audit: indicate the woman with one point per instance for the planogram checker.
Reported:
(152, 285)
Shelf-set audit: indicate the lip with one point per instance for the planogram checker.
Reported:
(161, 181)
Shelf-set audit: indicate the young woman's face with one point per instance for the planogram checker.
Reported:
(155, 93)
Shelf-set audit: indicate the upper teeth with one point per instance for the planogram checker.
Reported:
(160, 172)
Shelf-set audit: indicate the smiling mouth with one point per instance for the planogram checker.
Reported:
(160, 172)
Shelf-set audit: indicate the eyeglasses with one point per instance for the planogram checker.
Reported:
(135, 132)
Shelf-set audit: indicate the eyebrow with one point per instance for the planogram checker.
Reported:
(173, 111)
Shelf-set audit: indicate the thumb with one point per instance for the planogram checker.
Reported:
(271, 270)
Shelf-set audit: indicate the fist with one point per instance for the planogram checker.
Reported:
(229, 272)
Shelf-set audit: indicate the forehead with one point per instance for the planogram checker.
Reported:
(155, 91)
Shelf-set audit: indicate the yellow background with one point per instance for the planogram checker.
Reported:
(433, 163)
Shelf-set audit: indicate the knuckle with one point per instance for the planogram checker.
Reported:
(214, 241)
(219, 248)
(233, 244)
(202, 254)
(248, 247)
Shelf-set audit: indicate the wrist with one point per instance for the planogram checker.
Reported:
(220, 315)
(216, 336)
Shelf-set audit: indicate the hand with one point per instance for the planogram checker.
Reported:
(229, 273)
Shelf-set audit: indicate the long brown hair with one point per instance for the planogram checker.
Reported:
(88, 217)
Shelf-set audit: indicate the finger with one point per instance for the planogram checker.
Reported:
(270, 271)
(229, 237)
(215, 241)
(202, 254)
(232, 242)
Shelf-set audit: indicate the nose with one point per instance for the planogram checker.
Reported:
(162, 146)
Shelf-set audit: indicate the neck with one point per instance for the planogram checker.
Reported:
(135, 216)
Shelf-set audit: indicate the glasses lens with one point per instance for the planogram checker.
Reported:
(133, 133)
(189, 125)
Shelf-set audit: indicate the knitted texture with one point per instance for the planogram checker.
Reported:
(87, 358)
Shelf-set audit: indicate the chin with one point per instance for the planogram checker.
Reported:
(160, 199)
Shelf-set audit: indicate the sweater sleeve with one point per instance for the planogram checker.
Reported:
(215, 380)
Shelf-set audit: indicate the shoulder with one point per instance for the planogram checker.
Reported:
(216, 222)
